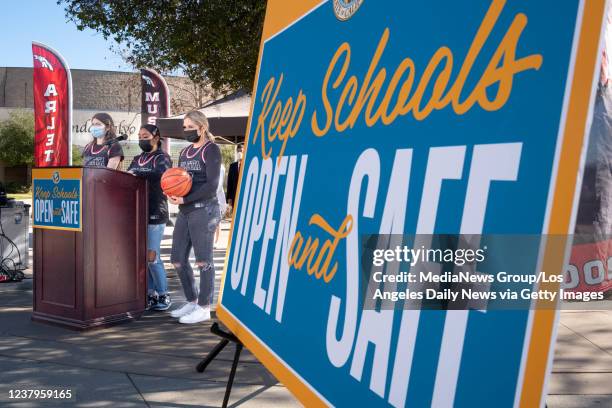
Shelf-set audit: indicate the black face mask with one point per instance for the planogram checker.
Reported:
(191, 135)
(145, 145)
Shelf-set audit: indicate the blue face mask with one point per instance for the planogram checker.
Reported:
(97, 131)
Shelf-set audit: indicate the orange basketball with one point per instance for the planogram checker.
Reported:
(176, 182)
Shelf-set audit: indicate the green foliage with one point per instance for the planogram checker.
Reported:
(13, 187)
(77, 160)
(227, 157)
(17, 139)
(209, 40)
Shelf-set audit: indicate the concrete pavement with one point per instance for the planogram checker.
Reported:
(582, 368)
(147, 363)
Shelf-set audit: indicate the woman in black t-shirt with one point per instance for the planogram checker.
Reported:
(151, 164)
(197, 219)
(96, 154)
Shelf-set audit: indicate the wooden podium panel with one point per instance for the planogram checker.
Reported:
(96, 276)
(57, 278)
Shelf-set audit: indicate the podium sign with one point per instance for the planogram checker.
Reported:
(57, 198)
(405, 117)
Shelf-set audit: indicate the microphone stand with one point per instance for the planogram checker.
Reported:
(114, 140)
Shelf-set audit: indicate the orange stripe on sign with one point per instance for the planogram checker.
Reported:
(282, 13)
(577, 116)
(300, 390)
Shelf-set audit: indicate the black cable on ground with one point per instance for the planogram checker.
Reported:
(14, 274)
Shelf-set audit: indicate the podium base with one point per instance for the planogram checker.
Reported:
(83, 325)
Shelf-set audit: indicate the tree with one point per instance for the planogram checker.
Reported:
(77, 159)
(17, 139)
(227, 157)
(190, 95)
(208, 40)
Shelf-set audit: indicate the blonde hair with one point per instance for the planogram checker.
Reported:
(201, 120)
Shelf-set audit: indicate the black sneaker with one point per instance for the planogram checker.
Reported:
(151, 302)
(163, 303)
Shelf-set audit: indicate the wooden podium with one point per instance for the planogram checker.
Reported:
(90, 244)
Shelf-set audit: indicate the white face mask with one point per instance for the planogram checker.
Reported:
(238, 156)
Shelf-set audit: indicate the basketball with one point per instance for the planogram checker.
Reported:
(176, 182)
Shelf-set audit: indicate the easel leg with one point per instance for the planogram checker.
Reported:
(211, 356)
(230, 380)
(226, 338)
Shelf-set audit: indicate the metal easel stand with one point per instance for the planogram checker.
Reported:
(226, 338)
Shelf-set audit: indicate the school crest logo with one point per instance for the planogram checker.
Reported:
(344, 9)
(56, 177)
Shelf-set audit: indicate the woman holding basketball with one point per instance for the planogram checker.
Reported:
(96, 153)
(197, 218)
(150, 165)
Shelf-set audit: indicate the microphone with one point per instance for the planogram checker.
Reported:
(117, 139)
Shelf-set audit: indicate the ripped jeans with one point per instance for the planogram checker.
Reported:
(156, 275)
(197, 229)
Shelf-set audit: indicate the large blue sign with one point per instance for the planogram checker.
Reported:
(57, 198)
(404, 117)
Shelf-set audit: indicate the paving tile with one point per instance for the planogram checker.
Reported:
(163, 392)
(110, 359)
(579, 401)
(91, 388)
(593, 325)
(575, 353)
(580, 384)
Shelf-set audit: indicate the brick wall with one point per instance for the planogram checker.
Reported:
(99, 90)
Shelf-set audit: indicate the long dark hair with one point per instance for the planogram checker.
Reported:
(108, 122)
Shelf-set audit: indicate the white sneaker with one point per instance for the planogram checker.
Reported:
(185, 310)
(199, 314)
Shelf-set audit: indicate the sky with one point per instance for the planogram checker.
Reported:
(24, 21)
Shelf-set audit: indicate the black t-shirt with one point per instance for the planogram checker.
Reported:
(151, 166)
(95, 155)
(204, 165)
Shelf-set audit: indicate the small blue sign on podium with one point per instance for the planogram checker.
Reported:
(56, 198)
